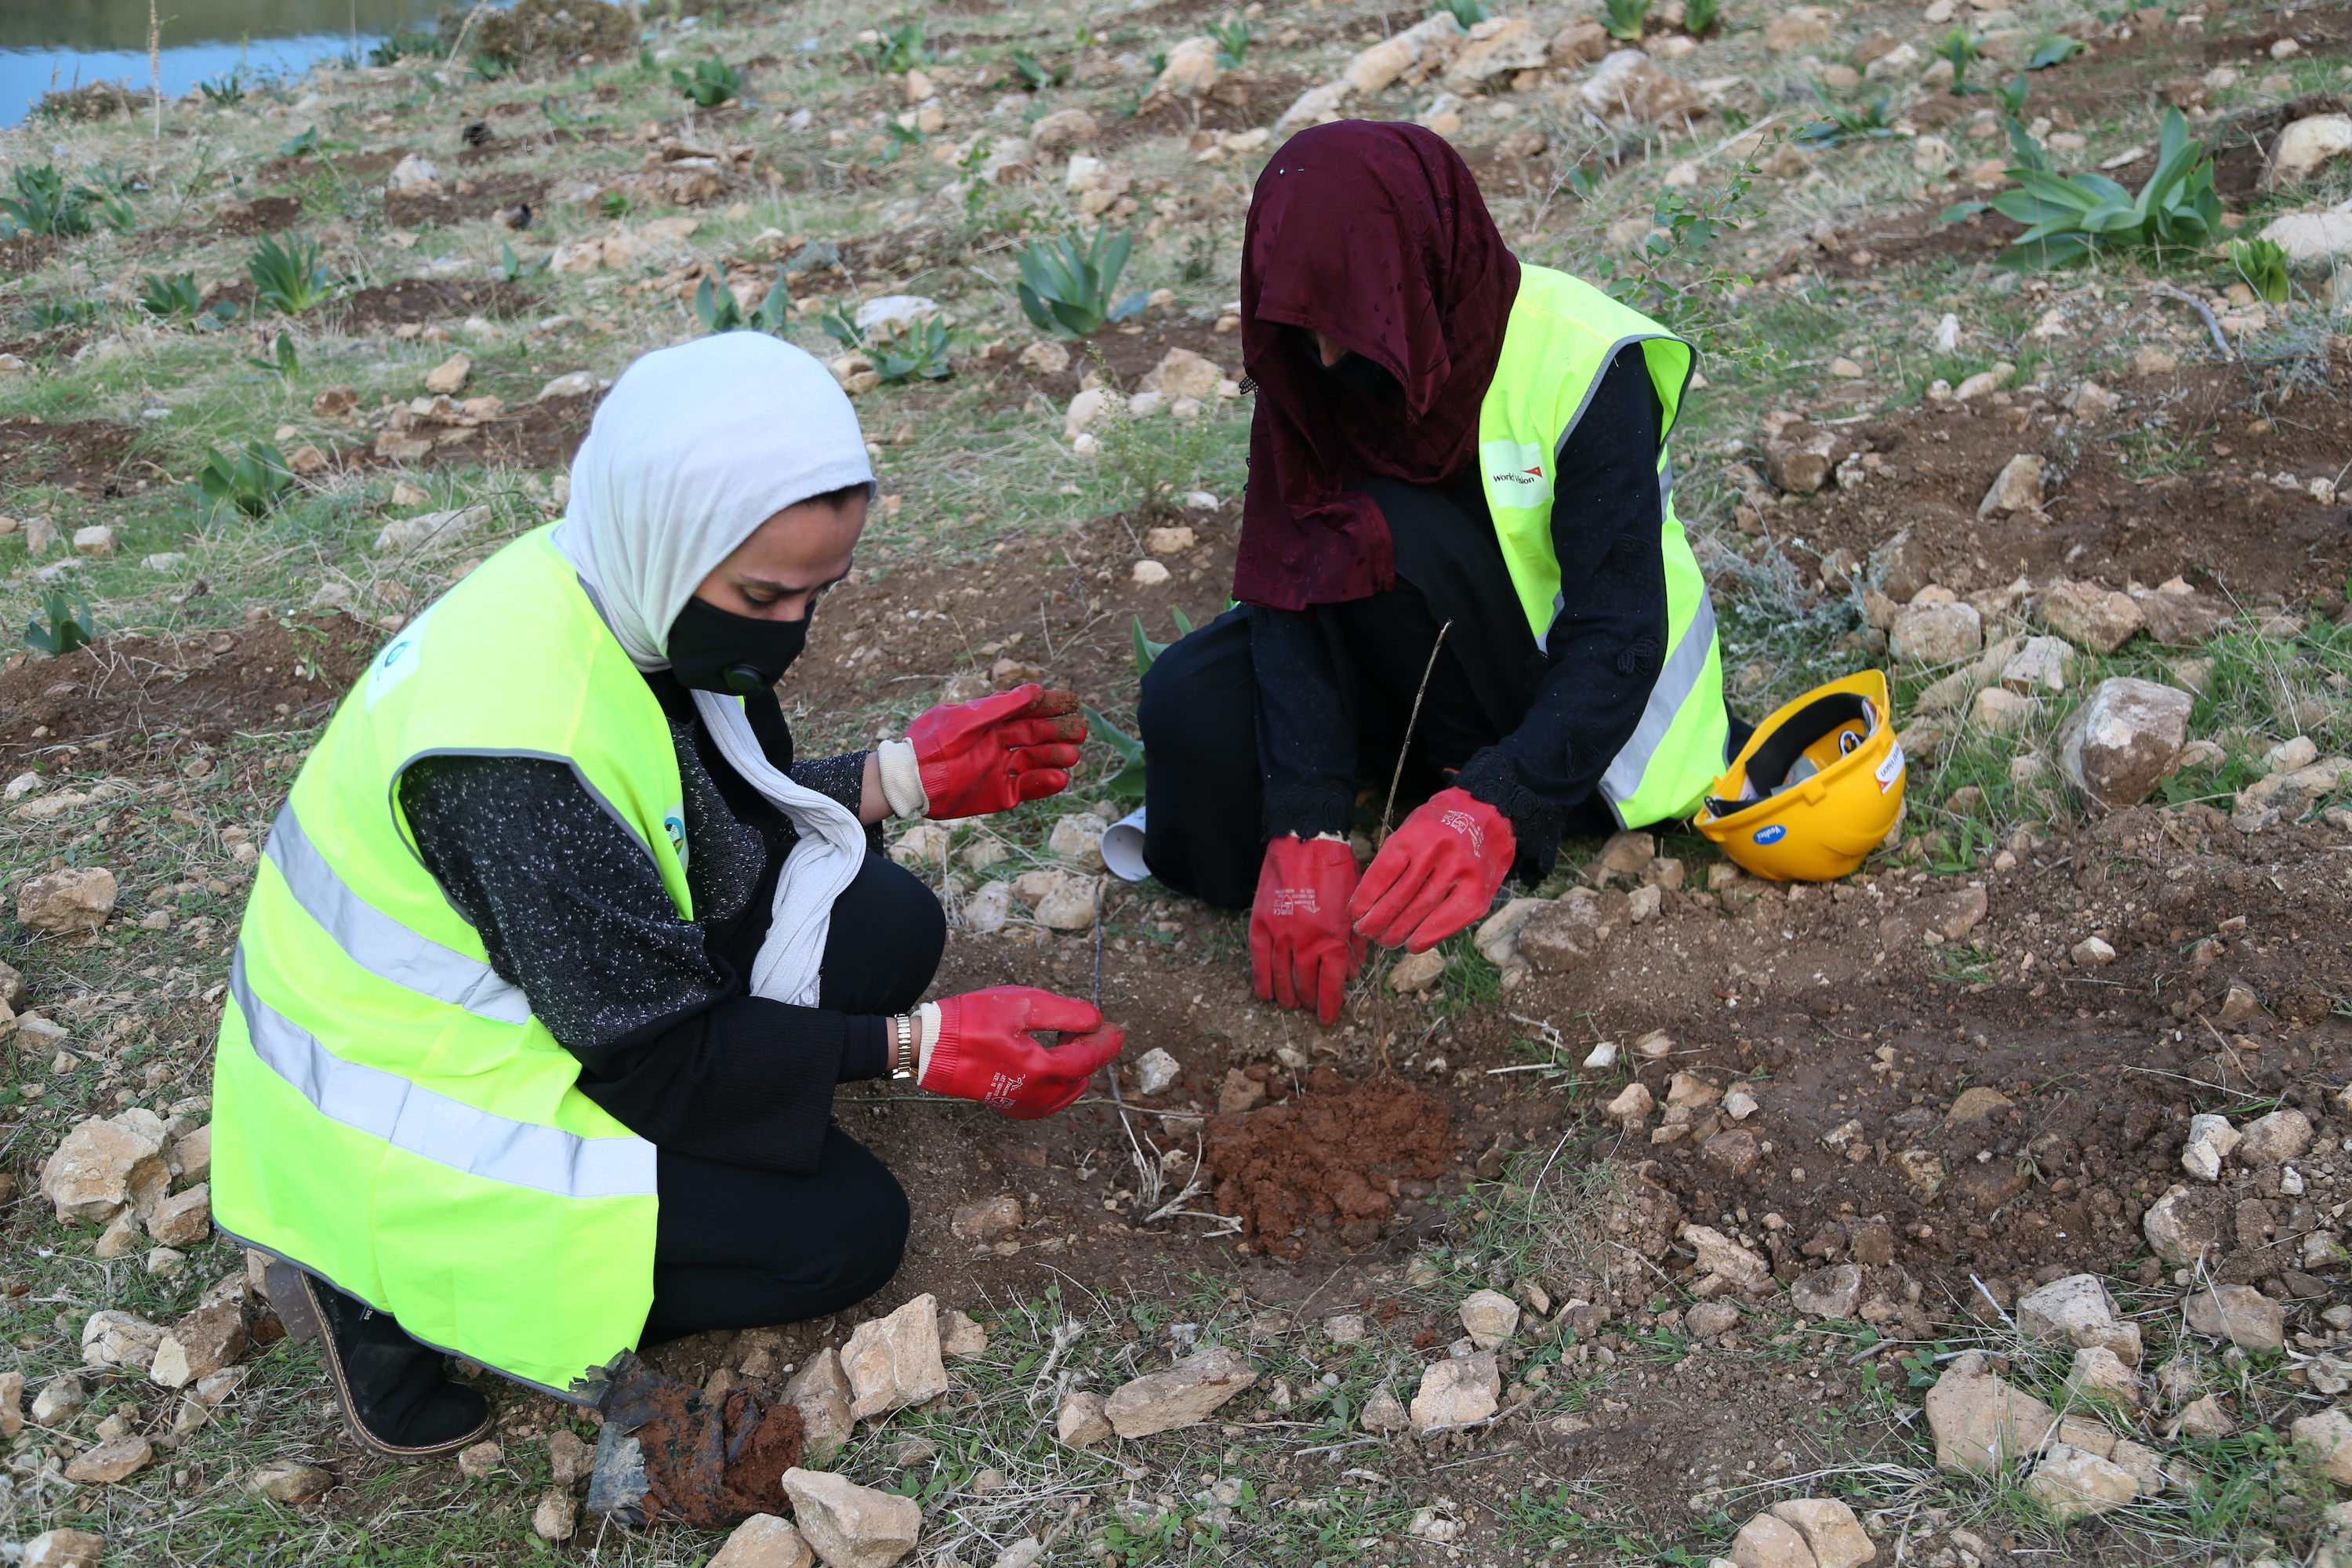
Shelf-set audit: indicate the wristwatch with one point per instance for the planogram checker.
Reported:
(902, 1049)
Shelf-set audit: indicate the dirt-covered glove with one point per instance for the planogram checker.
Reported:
(979, 1045)
(1436, 873)
(971, 759)
(1302, 953)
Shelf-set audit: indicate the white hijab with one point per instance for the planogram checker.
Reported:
(693, 448)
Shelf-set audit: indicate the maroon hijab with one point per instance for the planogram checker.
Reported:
(1373, 234)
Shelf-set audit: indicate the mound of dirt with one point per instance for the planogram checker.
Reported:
(476, 197)
(1332, 1158)
(262, 214)
(142, 700)
(414, 299)
(85, 455)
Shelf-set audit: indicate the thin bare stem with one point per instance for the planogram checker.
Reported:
(1412, 723)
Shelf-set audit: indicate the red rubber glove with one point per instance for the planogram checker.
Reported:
(985, 1051)
(1302, 953)
(1437, 874)
(993, 754)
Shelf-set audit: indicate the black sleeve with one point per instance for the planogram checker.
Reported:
(841, 778)
(1605, 648)
(1306, 742)
(571, 910)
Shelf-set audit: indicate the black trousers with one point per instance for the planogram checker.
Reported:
(738, 1248)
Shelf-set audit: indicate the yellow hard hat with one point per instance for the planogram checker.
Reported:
(1816, 788)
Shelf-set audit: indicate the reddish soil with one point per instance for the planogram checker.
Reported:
(1335, 1158)
(418, 300)
(2223, 524)
(476, 197)
(541, 435)
(262, 214)
(140, 701)
(707, 1465)
(86, 454)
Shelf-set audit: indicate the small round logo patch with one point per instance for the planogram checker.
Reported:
(1772, 835)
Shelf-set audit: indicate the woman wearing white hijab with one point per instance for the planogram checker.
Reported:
(556, 955)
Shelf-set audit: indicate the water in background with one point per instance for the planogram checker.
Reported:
(58, 44)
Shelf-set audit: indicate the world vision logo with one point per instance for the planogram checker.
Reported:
(1534, 476)
(1516, 468)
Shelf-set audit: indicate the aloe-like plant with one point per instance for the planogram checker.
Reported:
(718, 313)
(1699, 15)
(224, 89)
(1625, 18)
(58, 628)
(2053, 51)
(2261, 263)
(252, 482)
(1233, 37)
(43, 203)
(897, 51)
(2011, 100)
(45, 315)
(1469, 13)
(1839, 125)
(1032, 74)
(288, 278)
(177, 297)
(1960, 51)
(2068, 217)
(928, 360)
(283, 359)
(1068, 288)
(711, 83)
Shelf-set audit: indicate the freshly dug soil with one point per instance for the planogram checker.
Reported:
(710, 1466)
(1333, 1158)
(414, 299)
(86, 454)
(537, 435)
(141, 701)
(490, 193)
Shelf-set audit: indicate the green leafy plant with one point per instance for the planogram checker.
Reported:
(1840, 124)
(225, 89)
(2052, 52)
(288, 279)
(252, 481)
(2068, 217)
(1128, 783)
(45, 315)
(1625, 18)
(842, 327)
(283, 359)
(927, 362)
(711, 83)
(902, 138)
(1961, 50)
(510, 268)
(43, 203)
(299, 146)
(1032, 74)
(1233, 37)
(1068, 288)
(396, 45)
(2011, 100)
(720, 312)
(2263, 264)
(1701, 16)
(56, 628)
(897, 51)
(1469, 13)
(613, 204)
(176, 297)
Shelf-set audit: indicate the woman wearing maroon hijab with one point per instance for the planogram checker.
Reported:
(1444, 442)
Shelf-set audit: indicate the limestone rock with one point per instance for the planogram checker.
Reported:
(1183, 1394)
(1628, 88)
(763, 1541)
(112, 1338)
(450, 526)
(2176, 615)
(850, 1526)
(2276, 1139)
(1580, 42)
(2062, 1308)
(987, 1220)
(450, 374)
(2099, 1371)
(1799, 27)
(1043, 359)
(2018, 488)
(1732, 1151)
(59, 1401)
(961, 1337)
(1709, 1319)
(1455, 1392)
(1634, 1103)
(2203, 1419)
(2071, 1482)
(2239, 1313)
(1980, 1424)
(64, 1549)
(2326, 1438)
(2039, 665)
(1828, 1292)
(2311, 237)
(1498, 47)
(289, 1481)
(104, 1167)
(481, 1460)
(1766, 1541)
(1180, 373)
(1081, 1422)
(1490, 1317)
(894, 1362)
(569, 1460)
(1065, 127)
(1416, 973)
(1192, 70)
(2306, 144)
(2088, 616)
(72, 900)
(184, 1218)
(557, 1517)
(1155, 1069)
(200, 1344)
(1935, 633)
(820, 1392)
(413, 175)
(1382, 1413)
(12, 1405)
(1801, 459)
(1719, 1254)
(1069, 903)
(1555, 938)
(2185, 1226)
(116, 1459)
(1831, 1530)
(2122, 742)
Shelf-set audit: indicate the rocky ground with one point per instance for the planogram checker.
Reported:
(1984, 1208)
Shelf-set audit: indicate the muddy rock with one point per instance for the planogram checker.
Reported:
(183, 1220)
(1935, 633)
(2326, 1439)
(2276, 1139)
(1801, 461)
(59, 1401)
(2308, 144)
(1455, 1392)
(2065, 1308)
(987, 1220)
(557, 1517)
(2071, 1482)
(1490, 1317)
(481, 1459)
(2017, 489)
(1382, 1413)
(2239, 1313)
(200, 1344)
(1709, 1319)
(1081, 1422)
(1239, 1093)
(1184, 1393)
(2089, 617)
(961, 1337)
(2176, 615)
(1766, 1541)
(1734, 1153)
(2099, 1371)
(1831, 1530)
(112, 1338)
(289, 1481)
(2122, 742)
(1828, 1292)
(105, 1167)
(12, 1405)
(1627, 88)
(850, 1526)
(1980, 1424)
(820, 1392)
(2186, 1225)
(894, 1362)
(116, 1459)
(569, 1459)
(1634, 1103)
(64, 1549)
(1557, 937)
(1065, 127)
(763, 1541)
(1719, 1255)
(72, 900)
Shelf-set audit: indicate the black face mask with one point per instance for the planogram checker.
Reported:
(1368, 378)
(711, 650)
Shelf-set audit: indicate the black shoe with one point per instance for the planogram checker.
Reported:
(394, 1396)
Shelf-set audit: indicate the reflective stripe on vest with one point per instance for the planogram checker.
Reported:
(434, 1127)
(1678, 679)
(382, 945)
